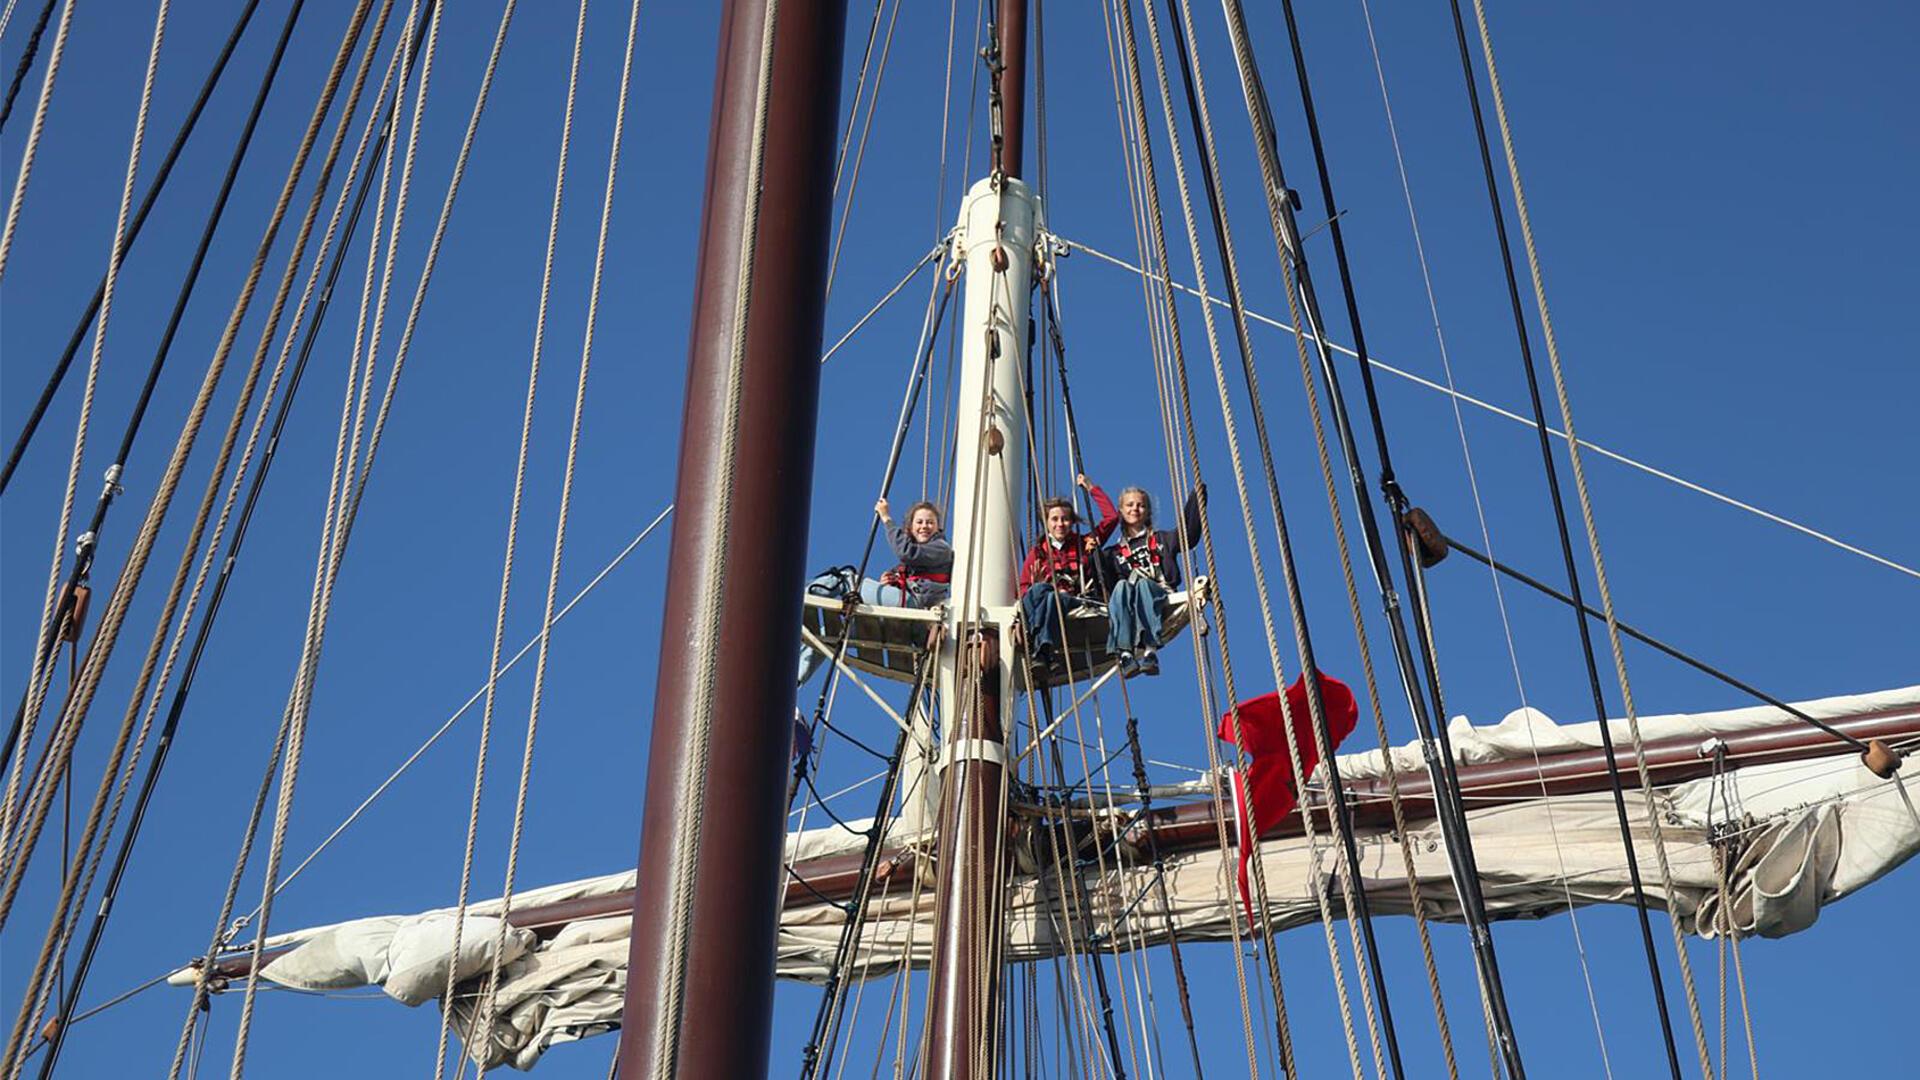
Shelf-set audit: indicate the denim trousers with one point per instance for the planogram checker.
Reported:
(1133, 615)
(1042, 616)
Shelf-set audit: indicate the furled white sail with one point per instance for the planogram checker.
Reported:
(1794, 835)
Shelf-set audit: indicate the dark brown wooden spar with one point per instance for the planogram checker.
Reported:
(1190, 827)
(700, 983)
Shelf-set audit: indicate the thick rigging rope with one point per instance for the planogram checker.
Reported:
(1305, 309)
(1566, 543)
(482, 1007)
(1155, 233)
(147, 200)
(1356, 903)
(327, 561)
(79, 574)
(27, 54)
(16, 1044)
(485, 742)
(28, 152)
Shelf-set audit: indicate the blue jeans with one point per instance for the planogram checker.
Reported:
(1133, 615)
(871, 592)
(1042, 617)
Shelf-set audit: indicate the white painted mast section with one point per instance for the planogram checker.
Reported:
(994, 245)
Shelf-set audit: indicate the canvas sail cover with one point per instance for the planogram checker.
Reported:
(1794, 836)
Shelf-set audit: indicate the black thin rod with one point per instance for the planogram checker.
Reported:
(1442, 767)
(1566, 538)
(27, 56)
(154, 187)
(176, 707)
(1648, 639)
(1361, 912)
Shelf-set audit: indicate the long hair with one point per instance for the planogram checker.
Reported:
(1063, 503)
(938, 521)
(1144, 497)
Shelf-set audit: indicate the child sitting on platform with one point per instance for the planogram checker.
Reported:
(921, 580)
(1062, 570)
(1144, 566)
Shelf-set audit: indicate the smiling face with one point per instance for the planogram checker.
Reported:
(1136, 510)
(1060, 521)
(924, 524)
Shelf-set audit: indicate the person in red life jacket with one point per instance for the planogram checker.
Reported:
(1266, 792)
(921, 580)
(1063, 570)
(1143, 566)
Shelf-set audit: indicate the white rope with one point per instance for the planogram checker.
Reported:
(465, 706)
(33, 134)
(334, 529)
(39, 678)
(1477, 403)
(483, 1020)
(6, 17)
(1336, 966)
(1593, 536)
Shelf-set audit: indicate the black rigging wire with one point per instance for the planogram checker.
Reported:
(1648, 639)
(826, 1020)
(1310, 678)
(1451, 809)
(1566, 539)
(88, 544)
(133, 231)
(177, 705)
(27, 56)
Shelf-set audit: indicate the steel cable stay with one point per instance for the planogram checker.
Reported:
(1460, 396)
(1473, 484)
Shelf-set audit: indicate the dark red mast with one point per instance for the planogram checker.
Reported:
(706, 909)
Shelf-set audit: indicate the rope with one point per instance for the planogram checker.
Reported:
(482, 1007)
(154, 187)
(27, 55)
(481, 1023)
(1194, 86)
(332, 547)
(1375, 363)
(693, 780)
(1473, 483)
(866, 129)
(1155, 231)
(1593, 539)
(33, 134)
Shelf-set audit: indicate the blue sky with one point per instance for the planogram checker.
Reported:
(1721, 195)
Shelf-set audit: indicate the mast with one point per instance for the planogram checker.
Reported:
(998, 224)
(706, 906)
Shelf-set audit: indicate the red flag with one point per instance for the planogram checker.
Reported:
(1268, 791)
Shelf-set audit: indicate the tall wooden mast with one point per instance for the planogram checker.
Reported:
(999, 224)
(706, 907)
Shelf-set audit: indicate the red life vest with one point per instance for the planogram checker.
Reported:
(1145, 557)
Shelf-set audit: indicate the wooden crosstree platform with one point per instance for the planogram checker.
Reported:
(891, 642)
